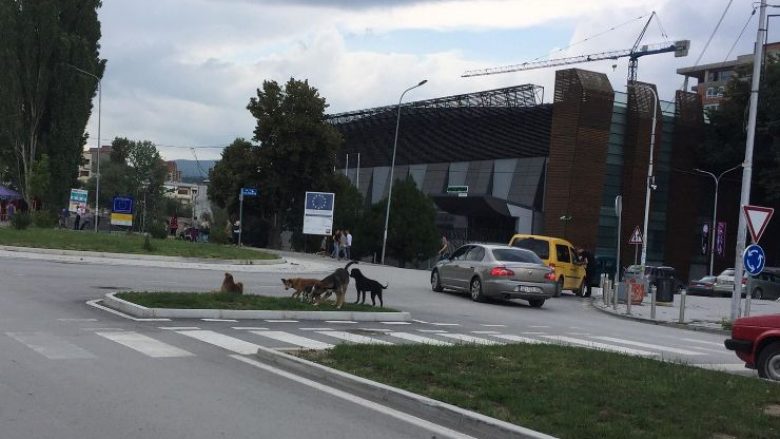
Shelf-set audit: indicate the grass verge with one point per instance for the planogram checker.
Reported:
(122, 243)
(571, 392)
(235, 301)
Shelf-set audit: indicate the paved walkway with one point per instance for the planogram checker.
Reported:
(701, 312)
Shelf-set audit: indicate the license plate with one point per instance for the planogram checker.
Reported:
(524, 289)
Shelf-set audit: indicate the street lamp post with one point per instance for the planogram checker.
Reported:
(715, 210)
(97, 177)
(392, 166)
(650, 177)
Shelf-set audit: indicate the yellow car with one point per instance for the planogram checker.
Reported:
(558, 254)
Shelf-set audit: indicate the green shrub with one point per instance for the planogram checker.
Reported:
(157, 229)
(148, 244)
(44, 219)
(21, 220)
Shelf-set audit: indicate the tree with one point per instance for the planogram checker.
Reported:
(297, 150)
(236, 169)
(44, 102)
(40, 179)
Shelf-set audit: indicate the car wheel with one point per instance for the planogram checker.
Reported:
(768, 364)
(579, 292)
(436, 282)
(536, 303)
(559, 288)
(758, 293)
(476, 290)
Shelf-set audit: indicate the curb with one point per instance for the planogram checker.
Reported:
(136, 256)
(660, 323)
(448, 415)
(135, 310)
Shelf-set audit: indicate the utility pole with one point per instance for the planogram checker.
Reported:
(747, 165)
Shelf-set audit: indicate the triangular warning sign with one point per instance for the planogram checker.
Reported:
(636, 236)
(757, 219)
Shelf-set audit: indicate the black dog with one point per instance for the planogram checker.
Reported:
(364, 284)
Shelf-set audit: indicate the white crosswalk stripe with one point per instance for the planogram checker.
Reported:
(710, 343)
(519, 339)
(419, 339)
(51, 346)
(649, 346)
(602, 346)
(226, 342)
(144, 344)
(297, 340)
(353, 338)
(464, 338)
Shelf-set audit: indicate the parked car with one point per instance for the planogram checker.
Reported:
(724, 285)
(756, 341)
(497, 271)
(654, 273)
(559, 255)
(702, 287)
(765, 285)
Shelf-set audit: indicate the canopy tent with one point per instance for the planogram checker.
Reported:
(9, 194)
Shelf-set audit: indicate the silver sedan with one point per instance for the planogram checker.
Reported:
(496, 271)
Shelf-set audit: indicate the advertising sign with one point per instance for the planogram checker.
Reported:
(720, 239)
(78, 199)
(318, 213)
(122, 211)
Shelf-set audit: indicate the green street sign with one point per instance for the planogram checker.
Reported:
(457, 189)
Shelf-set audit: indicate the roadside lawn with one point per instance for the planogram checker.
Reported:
(235, 301)
(572, 392)
(122, 243)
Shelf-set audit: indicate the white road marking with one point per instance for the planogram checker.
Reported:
(145, 345)
(538, 326)
(471, 339)
(420, 321)
(419, 339)
(345, 322)
(432, 331)
(650, 346)
(436, 429)
(102, 328)
(485, 332)
(247, 328)
(77, 320)
(395, 323)
(375, 329)
(519, 339)
(602, 346)
(220, 320)
(711, 343)
(282, 321)
(494, 326)
(710, 350)
(50, 346)
(353, 338)
(230, 343)
(297, 340)
(177, 328)
(315, 329)
(95, 304)
(533, 333)
(445, 324)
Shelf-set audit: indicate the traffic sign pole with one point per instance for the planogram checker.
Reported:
(240, 216)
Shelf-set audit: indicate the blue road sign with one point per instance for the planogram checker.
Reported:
(122, 205)
(754, 259)
(248, 191)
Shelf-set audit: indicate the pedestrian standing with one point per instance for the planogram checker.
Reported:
(336, 240)
(174, 224)
(205, 229)
(79, 213)
(343, 244)
(236, 231)
(349, 245)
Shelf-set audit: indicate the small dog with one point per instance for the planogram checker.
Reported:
(231, 286)
(364, 284)
(335, 282)
(301, 286)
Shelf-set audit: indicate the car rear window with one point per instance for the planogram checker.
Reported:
(538, 246)
(563, 253)
(512, 255)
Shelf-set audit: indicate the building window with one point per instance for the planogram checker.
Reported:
(714, 76)
(720, 91)
(183, 192)
(726, 75)
(83, 173)
(711, 92)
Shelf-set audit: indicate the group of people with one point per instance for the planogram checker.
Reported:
(197, 232)
(340, 245)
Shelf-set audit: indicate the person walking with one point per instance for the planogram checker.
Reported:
(586, 258)
(205, 229)
(174, 225)
(343, 245)
(349, 245)
(444, 251)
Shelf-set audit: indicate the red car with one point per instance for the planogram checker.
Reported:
(756, 340)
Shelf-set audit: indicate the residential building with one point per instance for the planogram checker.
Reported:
(187, 193)
(174, 175)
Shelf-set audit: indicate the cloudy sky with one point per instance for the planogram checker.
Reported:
(180, 72)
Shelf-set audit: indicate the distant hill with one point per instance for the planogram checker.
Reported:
(190, 169)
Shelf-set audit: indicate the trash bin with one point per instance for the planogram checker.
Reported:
(634, 284)
(664, 284)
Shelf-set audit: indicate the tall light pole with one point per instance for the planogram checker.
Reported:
(97, 177)
(650, 185)
(715, 210)
(392, 166)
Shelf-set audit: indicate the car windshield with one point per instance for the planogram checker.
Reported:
(515, 255)
(538, 246)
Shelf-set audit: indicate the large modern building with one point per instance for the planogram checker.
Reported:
(554, 169)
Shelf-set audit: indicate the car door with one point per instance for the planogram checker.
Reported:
(449, 271)
(563, 255)
(472, 264)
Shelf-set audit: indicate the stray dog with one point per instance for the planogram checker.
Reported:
(335, 282)
(301, 286)
(231, 286)
(364, 284)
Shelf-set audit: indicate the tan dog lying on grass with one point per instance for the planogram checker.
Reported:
(231, 286)
(301, 286)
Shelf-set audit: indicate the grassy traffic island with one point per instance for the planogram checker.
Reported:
(572, 392)
(231, 301)
(124, 243)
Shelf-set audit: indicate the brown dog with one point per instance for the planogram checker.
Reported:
(231, 286)
(336, 282)
(300, 285)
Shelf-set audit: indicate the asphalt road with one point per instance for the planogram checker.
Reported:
(69, 370)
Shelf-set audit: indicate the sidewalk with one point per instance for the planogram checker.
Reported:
(701, 313)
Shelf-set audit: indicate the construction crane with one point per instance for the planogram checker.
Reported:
(680, 49)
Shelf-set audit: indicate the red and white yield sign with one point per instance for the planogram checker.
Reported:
(757, 219)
